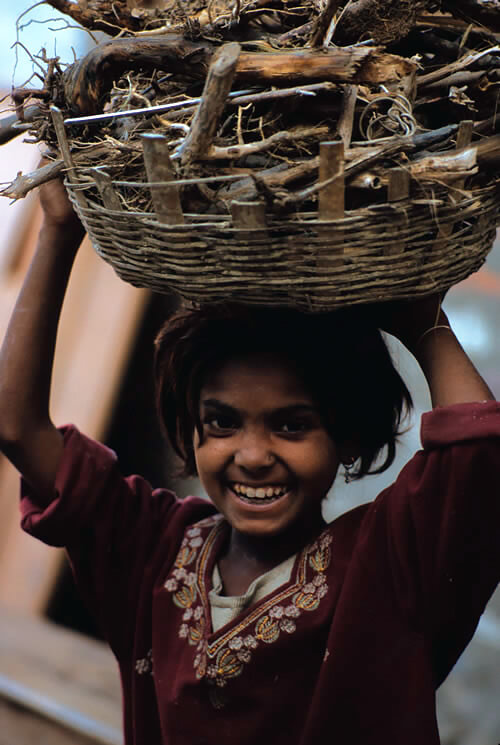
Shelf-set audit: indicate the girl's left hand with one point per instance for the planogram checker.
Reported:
(407, 320)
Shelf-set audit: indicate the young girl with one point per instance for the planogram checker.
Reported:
(246, 619)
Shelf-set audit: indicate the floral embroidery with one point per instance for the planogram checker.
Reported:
(145, 665)
(226, 657)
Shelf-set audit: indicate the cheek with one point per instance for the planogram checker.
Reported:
(210, 456)
(322, 462)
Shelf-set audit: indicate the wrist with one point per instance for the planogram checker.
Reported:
(426, 331)
(432, 331)
(66, 235)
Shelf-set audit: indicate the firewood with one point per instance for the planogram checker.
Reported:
(107, 17)
(458, 25)
(367, 65)
(11, 126)
(346, 118)
(166, 199)
(323, 22)
(313, 72)
(87, 81)
(466, 61)
(383, 21)
(235, 152)
(217, 87)
(24, 183)
(484, 12)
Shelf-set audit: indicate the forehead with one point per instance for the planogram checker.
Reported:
(257, 376)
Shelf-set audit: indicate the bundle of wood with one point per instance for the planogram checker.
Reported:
(232, 99)
(369, 72)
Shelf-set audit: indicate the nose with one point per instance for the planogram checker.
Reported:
(254, 451)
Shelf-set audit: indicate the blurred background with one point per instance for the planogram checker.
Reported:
(103, 383)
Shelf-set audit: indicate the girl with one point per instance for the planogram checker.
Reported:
(246, 619)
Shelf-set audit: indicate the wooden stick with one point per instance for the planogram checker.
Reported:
(301, 32)
(331, 198)
(455, 24)
(488, 151)
(383, 21)
(322, 23)
(448, 167)
(58, 121)
(359, 161)
(12, 126)
(398, 190)
(464, 137)
(278, 93)
(464, 134)
(346, 119)
(399, 185)
(463, 77)
(213, 101)
(453, 67)
(87, 81)
(166, 200)
(112, 20)
(486, 14)
(338, 65)
(331, 169)
(110, 198)
(24, 183)
(367, 180)
(235, 152)
(248, 216)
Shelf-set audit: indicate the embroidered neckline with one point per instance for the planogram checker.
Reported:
(223, 655)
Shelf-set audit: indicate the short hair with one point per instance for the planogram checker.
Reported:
(341, 358)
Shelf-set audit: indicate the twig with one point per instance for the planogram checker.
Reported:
(111, 21)
(487, 14)
(12, 126)
(461, 64)
(213, 101)
(454, 24)
(24, 183)
(323, 22)
(234, 152)
(346, 119)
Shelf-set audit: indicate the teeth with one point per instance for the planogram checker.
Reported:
(261, 492)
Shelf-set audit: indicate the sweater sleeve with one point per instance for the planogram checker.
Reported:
(115, 529)
(443, 526)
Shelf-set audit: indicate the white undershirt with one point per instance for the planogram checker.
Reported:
(225, 608)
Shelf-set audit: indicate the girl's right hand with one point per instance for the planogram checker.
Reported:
(57, 208)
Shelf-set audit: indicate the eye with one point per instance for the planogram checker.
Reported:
(294, 426)
(220, 423)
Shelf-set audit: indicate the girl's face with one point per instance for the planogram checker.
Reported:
(265, 458)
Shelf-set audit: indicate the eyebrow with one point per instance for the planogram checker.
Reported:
(299, 408)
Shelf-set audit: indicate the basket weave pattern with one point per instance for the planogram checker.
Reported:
(384, 252)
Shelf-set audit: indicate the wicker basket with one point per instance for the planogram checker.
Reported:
(389, 251)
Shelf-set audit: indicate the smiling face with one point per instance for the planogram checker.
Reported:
(264, 458)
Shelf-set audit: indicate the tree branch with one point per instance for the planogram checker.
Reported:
(109, 17)
(484, 12)
(383, 21)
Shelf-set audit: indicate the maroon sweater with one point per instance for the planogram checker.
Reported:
(350, 649)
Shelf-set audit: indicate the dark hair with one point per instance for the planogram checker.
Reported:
(340, 356)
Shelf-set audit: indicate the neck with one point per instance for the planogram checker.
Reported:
(266, 552)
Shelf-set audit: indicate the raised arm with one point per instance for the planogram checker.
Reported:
(426, 331)
(27, 435)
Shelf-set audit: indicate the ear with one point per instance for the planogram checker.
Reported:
(349, 451)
